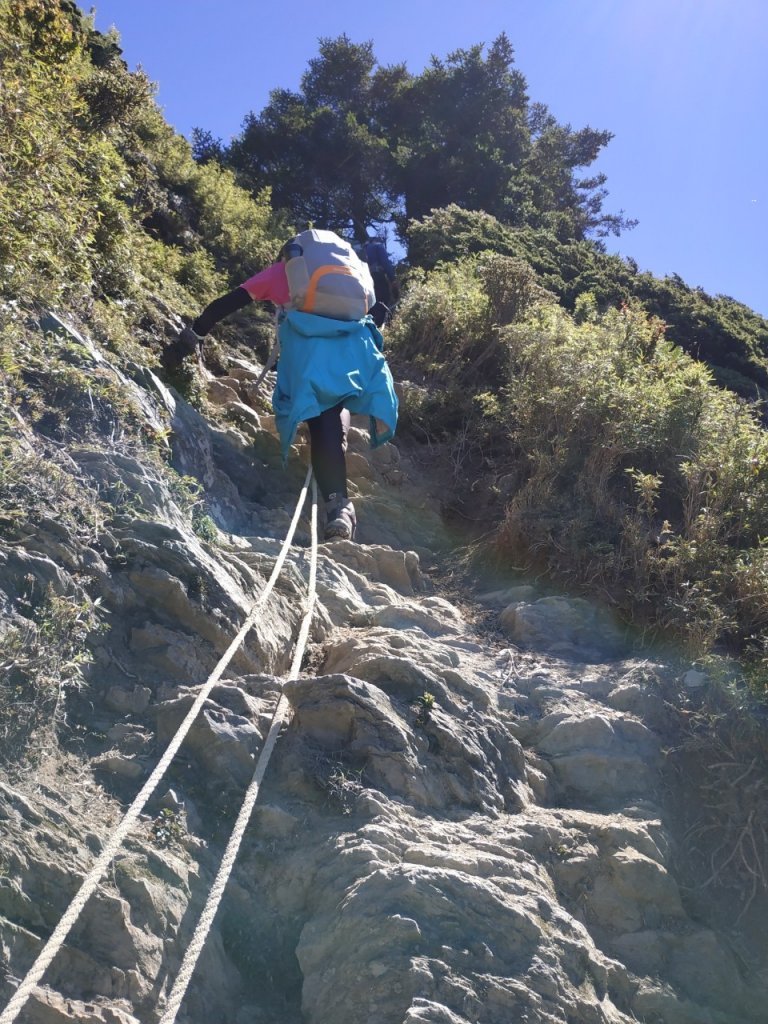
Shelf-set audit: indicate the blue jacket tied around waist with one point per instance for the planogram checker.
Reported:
(325, 362)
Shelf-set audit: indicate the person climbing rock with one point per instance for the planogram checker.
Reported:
(331, 360)
(385, 284)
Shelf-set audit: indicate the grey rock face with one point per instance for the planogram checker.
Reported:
(568, 626)
(451, 831)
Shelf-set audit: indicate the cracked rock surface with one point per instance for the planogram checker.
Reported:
(459, 825)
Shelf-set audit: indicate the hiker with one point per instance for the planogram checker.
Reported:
(382, 271)
(331, 362)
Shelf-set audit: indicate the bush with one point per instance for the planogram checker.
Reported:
(626, 468)
(99, 198)
(447, 327)
(212, 211)
(452, 233)
(443, 336)
(637, 474)
(39, 662)
(728, 336)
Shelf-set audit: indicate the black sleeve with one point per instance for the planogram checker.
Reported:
(220, 308)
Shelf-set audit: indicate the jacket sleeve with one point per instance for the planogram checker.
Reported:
(271, 285)
(220, 308)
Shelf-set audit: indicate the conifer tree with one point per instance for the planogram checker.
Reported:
(359, 144)
(322, 149)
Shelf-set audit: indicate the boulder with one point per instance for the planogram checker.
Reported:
(561, 624)
(223, 743)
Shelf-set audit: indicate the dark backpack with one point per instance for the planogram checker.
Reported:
(378, 259)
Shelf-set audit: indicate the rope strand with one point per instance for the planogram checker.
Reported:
(62, 930)
(282, 716)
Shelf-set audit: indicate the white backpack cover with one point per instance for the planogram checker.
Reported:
(327, 277)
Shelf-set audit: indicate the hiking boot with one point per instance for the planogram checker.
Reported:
(340, 521)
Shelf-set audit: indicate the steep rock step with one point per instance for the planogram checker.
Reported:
(451, 831)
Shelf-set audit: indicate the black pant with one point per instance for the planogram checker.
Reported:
(382, 287)
(328, 443)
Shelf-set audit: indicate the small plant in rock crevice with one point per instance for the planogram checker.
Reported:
(204, 526)
(424, 706)
(168, 829)
(716, 771)
(343, 787)
(341, 783)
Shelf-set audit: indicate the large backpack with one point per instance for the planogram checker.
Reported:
(327, 277)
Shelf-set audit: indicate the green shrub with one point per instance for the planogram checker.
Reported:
(447, 328)
(626, 468)
(637, 474)
(40, 661)
(452, 233)
(441, 318)
(234, 226)
(727, 335)
(99, 197)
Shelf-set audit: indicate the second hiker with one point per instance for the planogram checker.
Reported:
(382, 272)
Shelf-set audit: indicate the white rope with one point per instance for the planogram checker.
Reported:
(272, 358)
(282, 715)
(303, 637)
(55, 942)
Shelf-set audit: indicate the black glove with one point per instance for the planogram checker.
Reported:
(187, 344)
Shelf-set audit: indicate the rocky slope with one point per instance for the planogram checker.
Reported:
(461, 825)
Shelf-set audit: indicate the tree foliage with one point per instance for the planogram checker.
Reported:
(461, 135)
(321, 150)
(360, 143)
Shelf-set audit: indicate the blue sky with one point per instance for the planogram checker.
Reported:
(682, 84)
